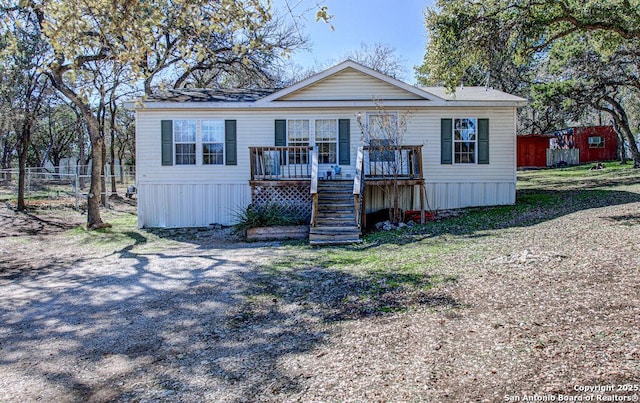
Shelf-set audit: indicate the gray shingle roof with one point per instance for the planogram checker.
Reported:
(472, 94)
(210, 95)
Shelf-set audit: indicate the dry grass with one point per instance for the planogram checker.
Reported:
(540, 298)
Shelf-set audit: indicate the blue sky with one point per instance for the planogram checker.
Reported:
(398, 23)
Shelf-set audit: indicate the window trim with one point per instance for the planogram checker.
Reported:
(297, 158)
(454, 141)
(312, 138)
(176, 143)
(199, 143)
(334, 142)
(600, 144)
(381, 156)
(221, 141)
(393, 114)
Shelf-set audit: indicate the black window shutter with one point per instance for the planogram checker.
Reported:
(483, 141)
(281, 133)
(281, 138)
(344, 141)
(230, 143)
(446, 141)
(167, 141)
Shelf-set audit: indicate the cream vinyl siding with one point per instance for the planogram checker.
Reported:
(172, 205)
(198, 195)
(424, 128)
(254, 128)
(349, 85)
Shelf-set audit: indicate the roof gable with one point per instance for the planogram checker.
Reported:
(350, 81)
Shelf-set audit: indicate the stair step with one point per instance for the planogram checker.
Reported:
(334, 237)
(332, 218)
(335, 183)
(332, 204)
(334, 242)
(335, 230)
(335, 192)
(335, 196)
(337, 217)
(344, 188)
(328, 241)
(334, 224)
(341, 214)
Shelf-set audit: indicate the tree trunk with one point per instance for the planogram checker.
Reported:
(620, 117)
(622, 152)
(112, 149)
(633, 147)
(103, 177)
(81, 171)
(396, 201)
(22, 173)
(94, 221)
(23, 150)
(93, 200)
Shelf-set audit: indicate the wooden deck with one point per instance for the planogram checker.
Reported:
(337, 205)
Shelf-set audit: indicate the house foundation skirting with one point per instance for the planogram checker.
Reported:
(294, 194)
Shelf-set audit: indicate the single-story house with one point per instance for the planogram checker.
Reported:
(202, 155)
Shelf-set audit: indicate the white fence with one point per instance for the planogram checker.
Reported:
(570, 156)
(60, 187)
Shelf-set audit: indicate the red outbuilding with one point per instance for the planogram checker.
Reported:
(532, 150)
(595, 143)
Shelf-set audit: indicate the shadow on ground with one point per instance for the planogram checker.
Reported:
(532, 207)
(182, 326)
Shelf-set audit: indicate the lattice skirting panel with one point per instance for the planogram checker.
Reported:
(297, 196)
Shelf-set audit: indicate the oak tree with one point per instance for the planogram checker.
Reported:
(77, 34)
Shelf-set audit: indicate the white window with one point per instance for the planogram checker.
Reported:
(465, 140)
(212, 142)
(326, 138)
(184, 137)
(383, 136)
(596, 142)
(298, 135)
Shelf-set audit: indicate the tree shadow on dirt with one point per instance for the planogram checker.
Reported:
(173, 325)
(532, 207)
(13, 223)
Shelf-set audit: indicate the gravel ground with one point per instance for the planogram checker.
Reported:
(536, 310)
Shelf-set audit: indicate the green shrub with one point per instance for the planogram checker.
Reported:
(269, 215)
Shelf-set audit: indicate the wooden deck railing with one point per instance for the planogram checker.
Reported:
(314, 187)
(386, 162)
(358, 187)
(280, 163)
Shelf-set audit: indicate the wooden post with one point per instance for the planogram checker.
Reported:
(252, 165)
(423, 194)
(314, 187)
(363, 213)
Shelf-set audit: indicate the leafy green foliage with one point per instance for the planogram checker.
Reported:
(464, 34)
(269, 215)
(573, 58)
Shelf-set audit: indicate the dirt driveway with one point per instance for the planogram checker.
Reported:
(539, 309)
(86, 323)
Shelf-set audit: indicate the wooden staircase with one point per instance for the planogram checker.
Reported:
(336, 221)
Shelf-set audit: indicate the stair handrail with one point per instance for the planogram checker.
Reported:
(358, 186)
(314, 187)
